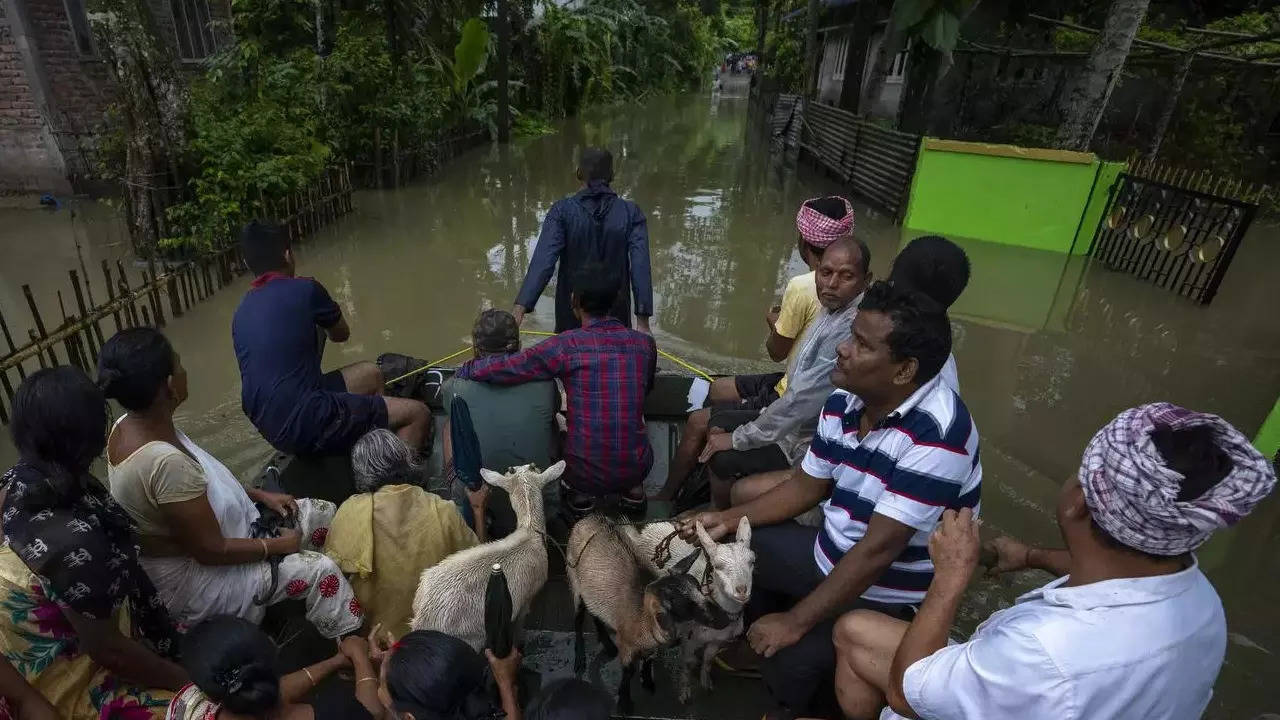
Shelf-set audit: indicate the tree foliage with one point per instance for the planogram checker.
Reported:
(287, 98)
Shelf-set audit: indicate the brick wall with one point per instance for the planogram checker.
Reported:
(78, 88)
(42, 146)
(26, 161)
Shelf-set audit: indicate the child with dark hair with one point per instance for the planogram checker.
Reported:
(939, 268)
(607, 370)
(277, 336)
(429, 675)
(67, 539)
(195, 520)
(234, 676)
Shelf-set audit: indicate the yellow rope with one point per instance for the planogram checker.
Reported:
(542, 333)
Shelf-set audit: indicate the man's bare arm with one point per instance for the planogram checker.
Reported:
(778, 346)
(793, 496)
(339, 331)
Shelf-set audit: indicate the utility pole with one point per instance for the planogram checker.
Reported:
(504, 73)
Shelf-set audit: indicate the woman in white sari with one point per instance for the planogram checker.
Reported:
(195, 520)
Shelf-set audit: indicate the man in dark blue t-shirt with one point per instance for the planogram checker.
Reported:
(276, 330)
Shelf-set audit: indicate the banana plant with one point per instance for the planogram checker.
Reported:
(470, 99)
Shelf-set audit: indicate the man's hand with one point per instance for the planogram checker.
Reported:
(774, 632)
(714, 523)
(286, 505)
(642, 324)
(518, 311)
(771, 317)
(479, 498)
(955, 546)
(717, 441)
(1010, 555)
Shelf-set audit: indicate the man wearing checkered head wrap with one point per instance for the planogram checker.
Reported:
(1131, 629)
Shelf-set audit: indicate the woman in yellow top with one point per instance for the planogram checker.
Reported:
(196, 523)
(82, 622)
(387, 534)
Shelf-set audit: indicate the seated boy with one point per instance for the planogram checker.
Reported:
(276, 331)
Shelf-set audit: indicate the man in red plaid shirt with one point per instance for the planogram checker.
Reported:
(607, 370)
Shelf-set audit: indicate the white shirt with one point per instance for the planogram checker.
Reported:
(918, 461)
(1145, 648)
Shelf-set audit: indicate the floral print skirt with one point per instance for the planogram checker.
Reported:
(41, 644)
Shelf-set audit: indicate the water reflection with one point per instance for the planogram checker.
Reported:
(1049, 347)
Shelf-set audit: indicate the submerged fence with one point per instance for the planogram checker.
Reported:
(877, 163)
(158, 292)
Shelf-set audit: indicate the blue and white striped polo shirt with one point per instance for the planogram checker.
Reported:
(919, 461)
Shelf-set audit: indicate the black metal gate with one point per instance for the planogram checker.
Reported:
(1177, 238)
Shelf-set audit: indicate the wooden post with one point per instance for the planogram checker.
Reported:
(153, 298)
(395, 157)
(171, 288)
(35, 316)
(123, 286)
(8, 391)
(4, 326)
(31, 334)
(89, 325)
(111, 294)
(377, 156)
(146, 317)
(97, 329)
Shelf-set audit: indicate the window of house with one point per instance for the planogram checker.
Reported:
(835, 53)
(80, 32)
(193, 24)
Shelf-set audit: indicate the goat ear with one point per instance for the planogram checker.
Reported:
(704, 539)
(550, 474)
(744, 532)
(685, 564)
(493, 478)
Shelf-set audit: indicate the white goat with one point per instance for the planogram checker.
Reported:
(643, 608)
(732, 564)
(450, 596)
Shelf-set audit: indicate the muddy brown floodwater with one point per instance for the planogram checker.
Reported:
(1049, 348)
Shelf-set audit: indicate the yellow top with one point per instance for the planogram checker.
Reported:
(383, 541)
(799, 308)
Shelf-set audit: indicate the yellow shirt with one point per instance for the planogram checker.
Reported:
(383, 541)
(799, 308)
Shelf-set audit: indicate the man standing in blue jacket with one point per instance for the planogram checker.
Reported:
(593, 225)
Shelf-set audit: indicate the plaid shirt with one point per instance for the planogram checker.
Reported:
(607, 371)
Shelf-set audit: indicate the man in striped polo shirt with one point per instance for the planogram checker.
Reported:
(895, 447)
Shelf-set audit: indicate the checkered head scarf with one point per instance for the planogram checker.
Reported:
(1132, 493)
(819, 230)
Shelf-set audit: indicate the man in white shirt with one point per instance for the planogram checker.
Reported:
(894, 447)
(1133, 629)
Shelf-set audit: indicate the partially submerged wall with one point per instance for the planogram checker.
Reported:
(1029, 197)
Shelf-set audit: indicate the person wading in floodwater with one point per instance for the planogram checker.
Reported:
(592, 225)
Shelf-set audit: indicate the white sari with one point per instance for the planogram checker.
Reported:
(193, 591)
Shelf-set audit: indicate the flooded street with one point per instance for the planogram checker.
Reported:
(1048, 347)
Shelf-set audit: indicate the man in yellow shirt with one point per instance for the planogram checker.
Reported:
(819, 223)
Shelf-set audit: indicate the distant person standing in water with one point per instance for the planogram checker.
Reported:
(276, 332)
(593, 225)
